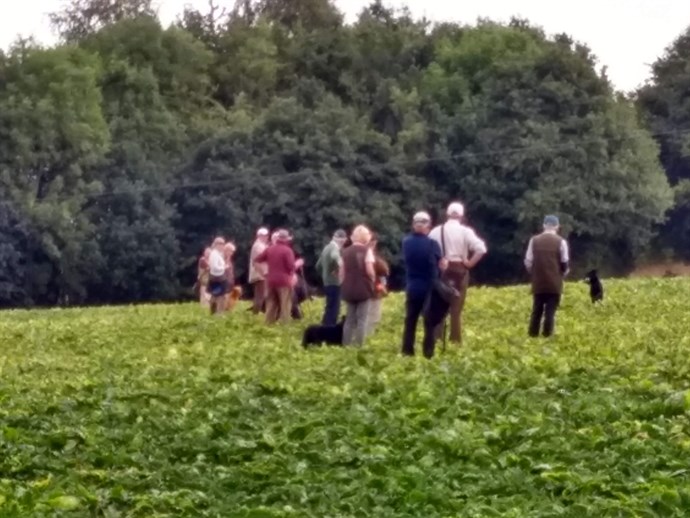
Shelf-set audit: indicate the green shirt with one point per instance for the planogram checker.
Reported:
(329, 264)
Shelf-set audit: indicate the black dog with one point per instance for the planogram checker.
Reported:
(596, 290)
(318, 334)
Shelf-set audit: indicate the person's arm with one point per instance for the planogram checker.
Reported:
(529, 257)
(289, 259)
(369, 261)
(477, 248)
(262, 257)
(565, 258)
(437, 258)
(319, 262)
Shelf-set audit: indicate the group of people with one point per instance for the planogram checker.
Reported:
(215, 277)
(437, 261)
(276, 277)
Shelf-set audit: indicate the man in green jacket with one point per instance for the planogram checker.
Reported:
(546, 260)
(329, 266)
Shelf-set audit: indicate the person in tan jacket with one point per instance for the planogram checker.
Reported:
(462, 249)
(258, 271)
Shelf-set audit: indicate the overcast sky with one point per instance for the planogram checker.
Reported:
(626, 35)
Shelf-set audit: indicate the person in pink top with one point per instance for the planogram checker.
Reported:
(280, 260)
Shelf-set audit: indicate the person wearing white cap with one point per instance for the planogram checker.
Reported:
(257, 271)
(463, 249)
(423, 262)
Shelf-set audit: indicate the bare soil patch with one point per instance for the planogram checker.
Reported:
(675, 269)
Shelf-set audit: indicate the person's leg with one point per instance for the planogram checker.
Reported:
(362, 327)
(259, 288)
(551, 303)
(350, 323)
(537, 312)
(462, 278)
(413, 308)
(332, 308)
(374, 316)
(295, 310)
(454, 275)
(272, 305)
(285, 301)
(434, 316)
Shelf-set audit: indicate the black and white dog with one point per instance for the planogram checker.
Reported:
(596, 289)
(318, 335)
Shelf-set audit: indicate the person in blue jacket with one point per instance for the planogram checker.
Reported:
(423, 263)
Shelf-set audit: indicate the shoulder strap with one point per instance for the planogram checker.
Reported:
(443, 239)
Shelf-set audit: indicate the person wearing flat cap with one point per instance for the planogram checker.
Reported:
(463, 249)
(546, 260)
(423, 263)
(329, 264)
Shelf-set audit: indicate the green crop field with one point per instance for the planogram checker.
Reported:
(153, 411)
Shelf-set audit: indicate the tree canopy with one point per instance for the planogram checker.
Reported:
(128, 146)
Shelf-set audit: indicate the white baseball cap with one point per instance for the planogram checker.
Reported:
(263, 231)
(456, 209)
(421, 217)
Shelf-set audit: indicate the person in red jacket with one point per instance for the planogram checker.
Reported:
(280, 260)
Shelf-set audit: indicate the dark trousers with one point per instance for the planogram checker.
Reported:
(332, 310)
(433, 309)
(544, 305)
(458, 276)
(259, 299)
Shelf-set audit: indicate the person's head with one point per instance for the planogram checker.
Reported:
(262, 235)
(456, 210)
(551, 223)
(229, 249)
(282, 236)
(218, 243)
(421, 222)
(361, 235)
(340, 237)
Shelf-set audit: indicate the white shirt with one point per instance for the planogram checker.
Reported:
(216, 263)
(460, 241)
(529, 256)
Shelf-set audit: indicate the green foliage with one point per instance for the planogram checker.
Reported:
(126, 147)
(52, 131)
(148, 411)
(663, 104)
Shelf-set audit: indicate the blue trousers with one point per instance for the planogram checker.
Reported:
(332, 310)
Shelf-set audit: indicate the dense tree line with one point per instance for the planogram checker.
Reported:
(124, 149)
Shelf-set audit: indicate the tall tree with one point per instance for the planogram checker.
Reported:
(156, 101)
(51, 131)
(530, 128)
(80, 18)
(664, 106)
